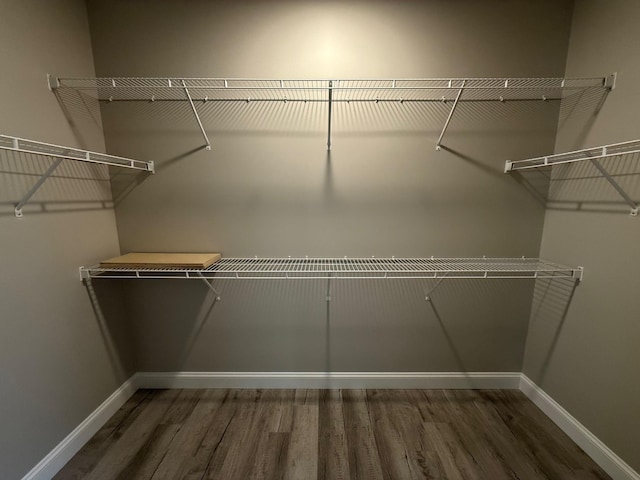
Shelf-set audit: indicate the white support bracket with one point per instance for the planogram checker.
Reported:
(427, 296)
(616, 185)
(195, 112)
(34, 189)
(330, 114)
(84, 274)
(578, 274)
(453, 108)
(210, 286)
(610, 81)
(328, 296)
(508, 166)
(52, 82)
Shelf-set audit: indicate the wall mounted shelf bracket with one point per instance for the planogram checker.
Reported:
(330, 100)
(210, 286)
(615, 150)
(59, 153)
(195, 112)
(453, 109)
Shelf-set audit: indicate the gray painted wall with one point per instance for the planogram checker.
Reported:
(588, 360)
(58, 362)
(268, 187)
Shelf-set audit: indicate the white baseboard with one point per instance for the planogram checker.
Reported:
(598, 451)
(611, 463)
(452, 380)
(67, 448)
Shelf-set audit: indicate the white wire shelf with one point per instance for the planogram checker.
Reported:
(350, 268)
(617, 151)
(22, 145)
(330, 91)
(60, 153)
(344, 90)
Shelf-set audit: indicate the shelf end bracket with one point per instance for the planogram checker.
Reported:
(578, 274)
(53, 82)
(610, 81)
(508, 166)
(84, 274)
(195, 112)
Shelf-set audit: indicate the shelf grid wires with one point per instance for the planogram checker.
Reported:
(352, 268)
(344, 90)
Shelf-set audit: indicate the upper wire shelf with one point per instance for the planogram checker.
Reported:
(592, 155)
(202, 90)
(60, 153)
(316, 90)
(350, 268)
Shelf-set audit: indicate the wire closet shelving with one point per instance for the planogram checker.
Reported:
(60, 153)
(616, 151)
(350, 268)
(330, 91)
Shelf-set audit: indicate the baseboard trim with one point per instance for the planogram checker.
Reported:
(451, 380)
(611, 463)
(72, 443)
(617, 468)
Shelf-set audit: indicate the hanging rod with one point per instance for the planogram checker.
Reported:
(330, 91)
(355, 268)
(60, 153)
(614, 150)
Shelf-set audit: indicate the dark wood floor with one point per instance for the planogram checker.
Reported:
(336, 434)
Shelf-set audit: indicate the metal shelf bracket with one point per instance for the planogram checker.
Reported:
(433, 289)
(616, 185)
(195, 112)
(210, 287)
(84, 274)
(330, 90)
(453, 109)
(34, 189)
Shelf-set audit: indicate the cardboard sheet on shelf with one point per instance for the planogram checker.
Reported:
(162, 260)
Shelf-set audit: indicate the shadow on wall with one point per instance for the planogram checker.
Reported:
(107, 300)
(366, 325)
(302, 119)
(551, 302)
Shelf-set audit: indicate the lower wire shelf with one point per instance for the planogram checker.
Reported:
(350, 268)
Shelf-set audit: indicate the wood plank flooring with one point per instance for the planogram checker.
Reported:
(330, 434)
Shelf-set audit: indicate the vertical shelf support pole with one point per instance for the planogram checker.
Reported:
(328, 296)
(453, 109)
(34, 189)
(330, 108)
(195, 112)
(616, 185)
